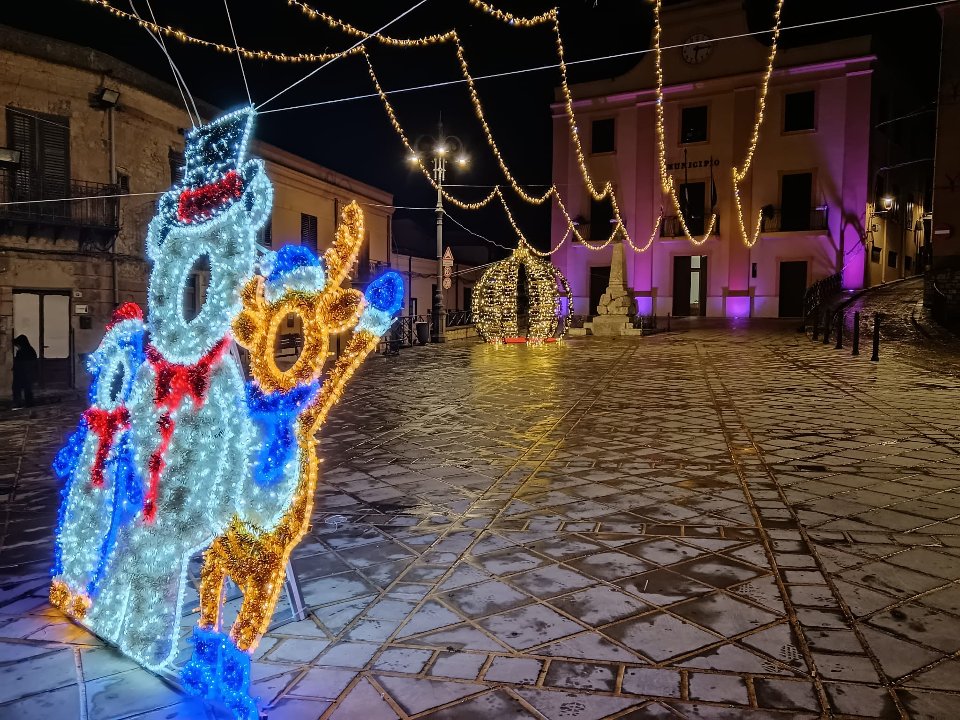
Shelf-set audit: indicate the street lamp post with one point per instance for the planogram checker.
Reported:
(440, 148)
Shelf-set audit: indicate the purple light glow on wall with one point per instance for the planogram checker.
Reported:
(644, 306)
(738, 307)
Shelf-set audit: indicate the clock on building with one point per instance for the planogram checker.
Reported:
(697, 48)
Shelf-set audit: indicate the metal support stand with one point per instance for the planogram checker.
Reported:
(816, 326)
(826, 327)
(839, 345)
(856, 334)
(876, 338)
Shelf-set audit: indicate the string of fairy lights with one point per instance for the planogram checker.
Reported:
(597, 191)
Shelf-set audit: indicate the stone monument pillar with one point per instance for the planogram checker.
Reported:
(617, 305)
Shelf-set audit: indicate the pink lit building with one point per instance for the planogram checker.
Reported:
(811, 173)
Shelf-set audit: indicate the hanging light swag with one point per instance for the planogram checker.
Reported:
(496, 307)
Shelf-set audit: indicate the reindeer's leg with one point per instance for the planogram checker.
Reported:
(261, 590)
(215, 570)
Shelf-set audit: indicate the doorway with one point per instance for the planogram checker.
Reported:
(44, 317)
(793, 286)
(689, 285)
(599, 281)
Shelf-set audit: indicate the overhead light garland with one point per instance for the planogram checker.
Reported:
(177, 454)
(248, 54)
(496, 294)
(666, 180)
(740, 174)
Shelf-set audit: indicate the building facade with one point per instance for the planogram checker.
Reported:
(81, 125)
(811, 174)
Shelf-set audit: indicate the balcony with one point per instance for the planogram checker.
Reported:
(670, 226)
(774, 219)
(89, 205)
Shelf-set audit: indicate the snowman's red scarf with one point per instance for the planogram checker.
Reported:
(105, 424)
(172, 383)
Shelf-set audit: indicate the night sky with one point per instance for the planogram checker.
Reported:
(355, 137)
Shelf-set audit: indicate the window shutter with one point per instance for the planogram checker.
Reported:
(54, 145)
(308, 231)
(176, 166)
(21, 132)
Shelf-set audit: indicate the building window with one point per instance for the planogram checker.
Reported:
(875, 255)
(891, 258)
(799, 111)
(308, 231)
(175, 158)
(601, 219)
(693, 124)
(796, 193)
(44, 145)
(602, 136)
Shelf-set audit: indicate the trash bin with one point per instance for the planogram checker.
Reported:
(423, 332)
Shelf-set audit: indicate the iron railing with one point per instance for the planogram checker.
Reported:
(77, 204)
(773, 219)
(459, 318)
(670, 226)
(819, 295)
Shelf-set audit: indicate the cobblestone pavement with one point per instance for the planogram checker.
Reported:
(719, 523)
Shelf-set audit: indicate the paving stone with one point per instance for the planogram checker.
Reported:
(786, 694)
(416, 695)
(522, 671)
(583, 676)
(599, 605)
(657, 682)
(546, 582)
(660, 636)
(495, 704)
(528, 626)
(323, 683)
(861, 700)
(718, 688)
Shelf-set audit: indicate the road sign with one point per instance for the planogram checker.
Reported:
(448, 258)
(447, 271)
(446, 283)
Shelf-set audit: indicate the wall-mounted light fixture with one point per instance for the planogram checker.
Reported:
(9, 158)
(106, 98)
(887, 202)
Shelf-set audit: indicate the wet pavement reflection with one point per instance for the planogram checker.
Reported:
(720, 522)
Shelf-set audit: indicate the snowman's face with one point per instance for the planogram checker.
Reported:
(228, 242)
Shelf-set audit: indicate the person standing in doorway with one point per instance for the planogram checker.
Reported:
(24, 371)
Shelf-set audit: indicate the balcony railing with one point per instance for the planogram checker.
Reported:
(82, 204)
(670, 226)
(774, 219)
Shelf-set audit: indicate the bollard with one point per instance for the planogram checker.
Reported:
(826, 327)
(668, 322)
(876, 338)
(816, 326)
(839, 345)
(856, 333)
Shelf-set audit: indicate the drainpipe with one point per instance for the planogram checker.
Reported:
(113, 182)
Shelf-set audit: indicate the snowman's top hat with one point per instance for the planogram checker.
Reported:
(216, 173)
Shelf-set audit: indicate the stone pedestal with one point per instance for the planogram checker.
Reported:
(617, 305)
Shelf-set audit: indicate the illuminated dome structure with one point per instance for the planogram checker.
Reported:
(524, 298)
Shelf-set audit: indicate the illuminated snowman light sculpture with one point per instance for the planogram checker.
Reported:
(177, 453)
